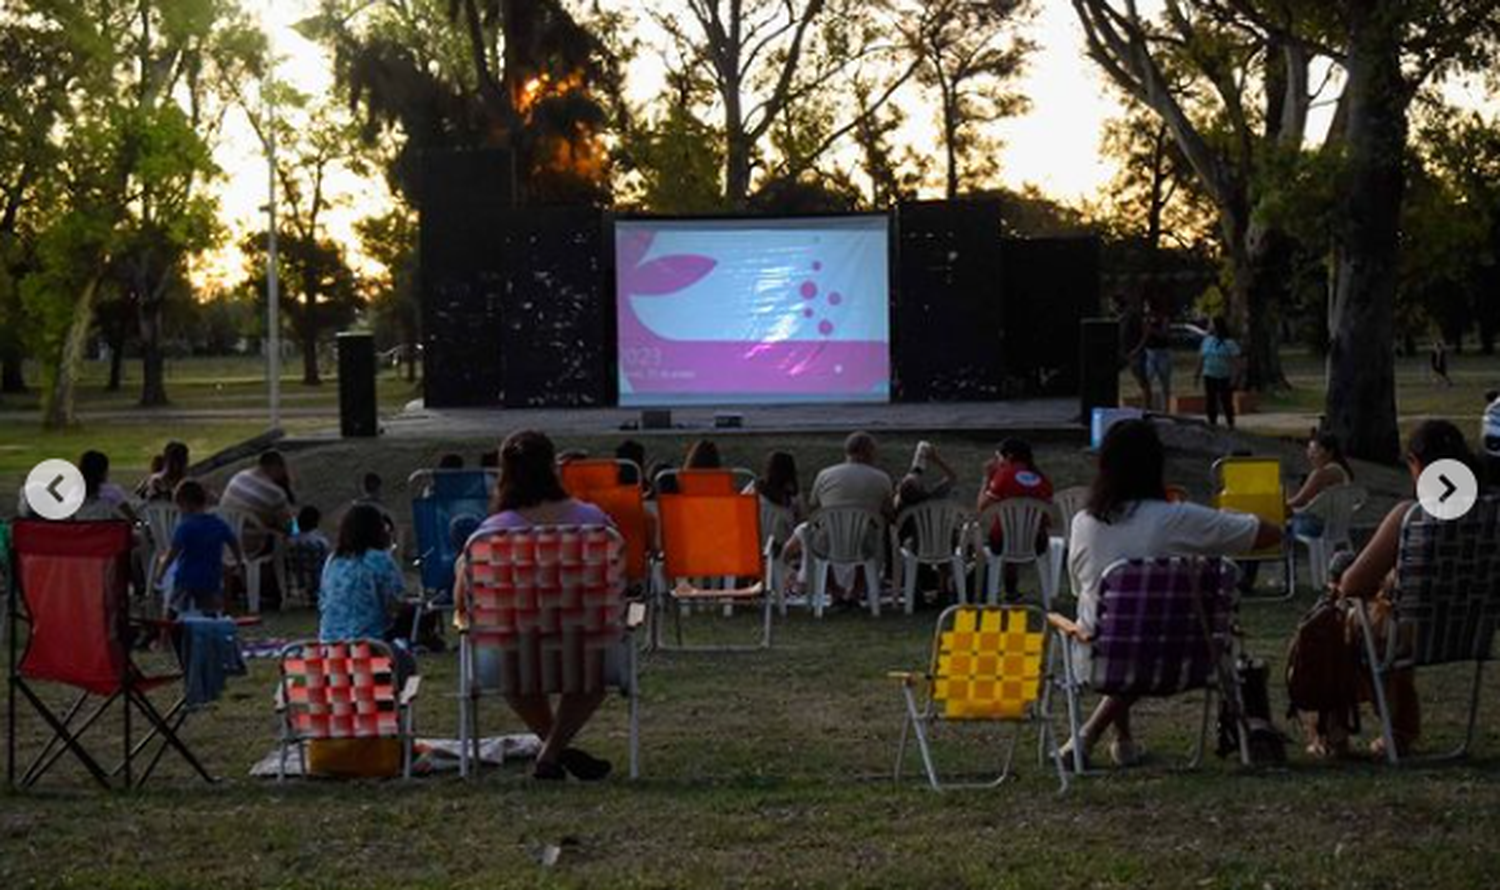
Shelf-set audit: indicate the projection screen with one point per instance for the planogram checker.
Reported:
(753, 311)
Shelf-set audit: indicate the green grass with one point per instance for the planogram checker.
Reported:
(769, 769)
(215, 384)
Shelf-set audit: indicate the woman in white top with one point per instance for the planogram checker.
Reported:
(1329, 469)
(1128, 517)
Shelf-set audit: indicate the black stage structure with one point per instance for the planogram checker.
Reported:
(518, 303)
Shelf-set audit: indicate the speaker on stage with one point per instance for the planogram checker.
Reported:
(357, 402)
(656, 419)
(1099, 364)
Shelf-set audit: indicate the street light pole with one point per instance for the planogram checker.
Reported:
(273, 289)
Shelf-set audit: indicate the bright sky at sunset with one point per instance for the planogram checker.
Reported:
(1055, 146)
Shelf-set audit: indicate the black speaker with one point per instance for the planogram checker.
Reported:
(358, 415)
(1099, 365)
(656, 419)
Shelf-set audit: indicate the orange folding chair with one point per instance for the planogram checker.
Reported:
(614, 487)
(710, 540)
(70, 588)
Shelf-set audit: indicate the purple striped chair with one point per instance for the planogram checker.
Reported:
(1165, 626)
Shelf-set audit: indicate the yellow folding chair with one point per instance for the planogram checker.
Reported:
(989, 665)
(1253, 485)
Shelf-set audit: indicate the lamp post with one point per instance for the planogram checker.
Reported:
(273, 288)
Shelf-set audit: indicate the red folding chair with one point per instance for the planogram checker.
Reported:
(70, 589)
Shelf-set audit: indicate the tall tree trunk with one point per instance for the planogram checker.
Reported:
(153, 364)
(12, 369)
(59, 412)
(116, 341)
(1267, 273)
(310, 375)
(1361, 406)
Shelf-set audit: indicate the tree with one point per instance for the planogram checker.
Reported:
(765, 58)
(969, 53)
(526, 76)
(390, 239)
(676, 161)
(1391, 49)
(319, 290)
(35, 67)
(1154, 195)
(1235, 95)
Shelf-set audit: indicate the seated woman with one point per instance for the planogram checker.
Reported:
(1329, 469)
(1128, 517)
(1013, 473)
(530, 494)
(1370, 576)
(360, 593)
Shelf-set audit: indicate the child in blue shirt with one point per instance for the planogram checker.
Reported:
(362, 585)
(198, 552)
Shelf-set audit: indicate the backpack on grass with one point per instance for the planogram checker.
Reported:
(1322, 669)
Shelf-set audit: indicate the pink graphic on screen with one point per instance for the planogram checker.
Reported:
(734, 311)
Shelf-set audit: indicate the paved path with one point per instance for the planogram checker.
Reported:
(1037, 416)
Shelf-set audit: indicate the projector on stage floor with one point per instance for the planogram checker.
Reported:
(725, 420)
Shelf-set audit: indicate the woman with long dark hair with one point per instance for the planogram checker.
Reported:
(1367, 578)
(530, 494)
(1128, 517)
(1329, 468)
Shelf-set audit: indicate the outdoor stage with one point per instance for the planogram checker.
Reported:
(1052, 419)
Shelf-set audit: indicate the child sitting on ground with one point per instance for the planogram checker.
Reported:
(198, 553)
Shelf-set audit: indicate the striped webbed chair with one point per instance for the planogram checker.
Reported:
(335, 692)
(1164, 627)
(988, 666)
(1446, 605)
(542, 611)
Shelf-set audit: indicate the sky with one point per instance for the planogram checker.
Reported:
(1054, 146)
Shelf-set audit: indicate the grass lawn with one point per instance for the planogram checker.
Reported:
(772, 769)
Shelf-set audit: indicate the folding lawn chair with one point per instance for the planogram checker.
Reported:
(848, 538)
(545, 608)
(1447, 605)
(447, 506)
(614, 486)
(1253, 485)
(1021, 521)
(1336, 507)
(988, 666)
(932, 533)
(70, 588)
(710, 543)
(332, 694)
(1164, 627)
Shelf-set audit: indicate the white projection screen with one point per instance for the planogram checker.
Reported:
(756, 311)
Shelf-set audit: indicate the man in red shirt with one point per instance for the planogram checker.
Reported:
(1013, 474)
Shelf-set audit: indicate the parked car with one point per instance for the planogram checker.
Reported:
(398, 354)
(1186, 335)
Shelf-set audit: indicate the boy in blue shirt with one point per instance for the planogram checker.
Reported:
(198, 550)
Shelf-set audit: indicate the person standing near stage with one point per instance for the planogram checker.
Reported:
(1133, 347)
(1156, 343)
(1219, 368)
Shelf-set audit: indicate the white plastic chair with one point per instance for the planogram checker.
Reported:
(777, 525)
(939, 528)
(161, 519)
(1336, 507)
(242, 523)
(848, 538)
(1069, 503)
(1020, 523)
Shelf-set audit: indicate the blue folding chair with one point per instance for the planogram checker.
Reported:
(447, 506)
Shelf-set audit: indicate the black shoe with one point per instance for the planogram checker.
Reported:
(548, 772)
(584, 767)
